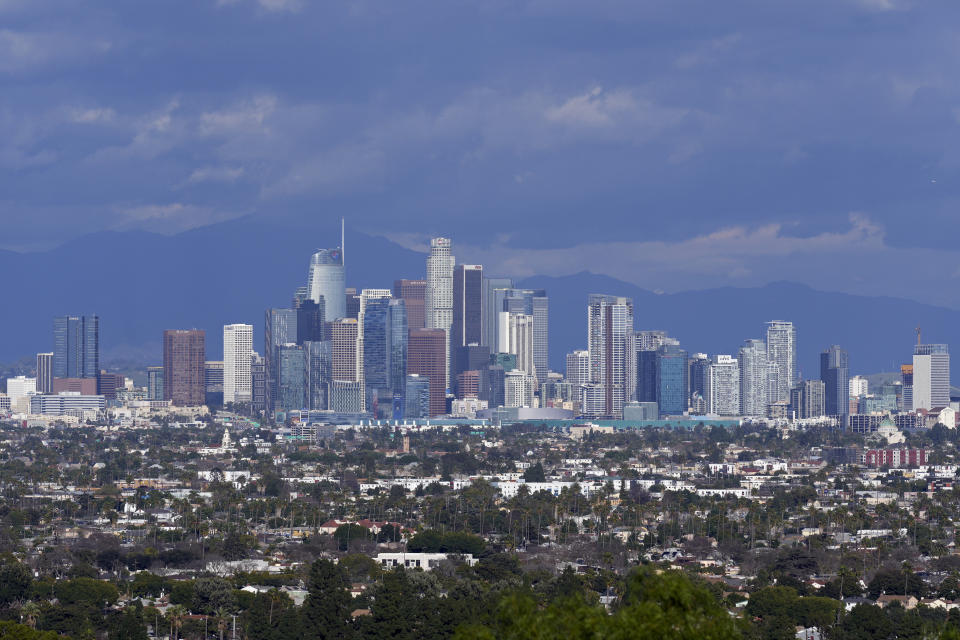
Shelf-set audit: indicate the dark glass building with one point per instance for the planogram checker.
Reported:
(467, 326)
(835, 374)
(427, 357)
(76, 347)
(672, 382)
(319, 373)
(279, 328)
(376, 347)
(291, 378)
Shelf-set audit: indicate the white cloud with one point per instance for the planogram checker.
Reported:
(93, 116)
(22, 51)
(215, 174)
(244, 117)
(169, 218)
(291, 6)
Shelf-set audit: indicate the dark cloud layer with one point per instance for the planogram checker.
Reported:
(548, 125)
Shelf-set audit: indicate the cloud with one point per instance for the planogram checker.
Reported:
(245, 117)
(215, 174)
(170, 218)
(291, 6)
(22, 51)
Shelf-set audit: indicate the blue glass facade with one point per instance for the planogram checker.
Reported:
(417, 397)
(672, 383)
(835, 374)
(376, 354)
(291, 378)
(398, 339)
(76, 346)
(319, 373)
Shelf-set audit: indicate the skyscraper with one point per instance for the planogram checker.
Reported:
(183, 367)
(835, 374)
(45, 373)
(782, 349)
(155, 383)
(438, 304)
(376, 346)
(931, 376)
(516, 337)
(76, 346)
(343, 338)
(906, 378)
(753, 378)
(578, 368)
(413, 294)
(426, 357)
(494, 291)
(237, 347)
(807, 399)
(609, 325)
(672, 382)
(467, 324)
(291, 378)
(259, 389)
(279, 328)
(213, 382)
(319, 364)
(722, 386)
(399, 336)
(326, 281)
(310, 320)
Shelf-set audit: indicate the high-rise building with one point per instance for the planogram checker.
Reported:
(426, 357)
(280, 327)
(326, 281)
(184, 354)
(722, 386)
(108, 384)
(578, 368)
(906, 378)
(397, 340)
(782, 349)
(417, 395)
(467, 325)
(807, 399)
(672, 381)
(310, 320)
(835, 374)
(518, 388)
(19, 390)
(699, 365)
(352, 303)
(347, 397)
(258, 383)
(45, 373)
(438, 303)
(753, 378)
(494, 291)
(375, 344)
(76, 346)
(413, 293)
(609, 325)
(516, 337)
(319, 373)
(859, 386)
(343, 339)
(237, 347)
(213, 382)
(291, 378)
(931, 376)
(155, 383)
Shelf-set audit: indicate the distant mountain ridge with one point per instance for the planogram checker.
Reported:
(142, 283)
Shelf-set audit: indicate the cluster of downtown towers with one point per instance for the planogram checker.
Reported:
(407, 352)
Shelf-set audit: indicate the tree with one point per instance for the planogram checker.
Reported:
(326, 611)
(347, 533)
(655, 606)
(15, 581)
(535, 473)
(234, 547)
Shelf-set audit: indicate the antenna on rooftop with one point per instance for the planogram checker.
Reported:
(343, 241)
(918, 335)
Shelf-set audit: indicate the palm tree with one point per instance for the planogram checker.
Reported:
(175, 614)
(221, 615)
(30, 612)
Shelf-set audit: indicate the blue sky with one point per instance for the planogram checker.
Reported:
(674, 144)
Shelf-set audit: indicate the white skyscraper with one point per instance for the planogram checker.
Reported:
(438, 301)
(518, 389)
(858, 386)
(931, 376)
(753, 378)
(516, 337)
(723, 386)
(237, 349)
(326, 279)
(782, 349)
(609, 327)
(578, 368)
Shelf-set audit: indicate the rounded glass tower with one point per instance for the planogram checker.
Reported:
(326, 278)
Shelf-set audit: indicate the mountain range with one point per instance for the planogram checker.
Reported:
(142, 283)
